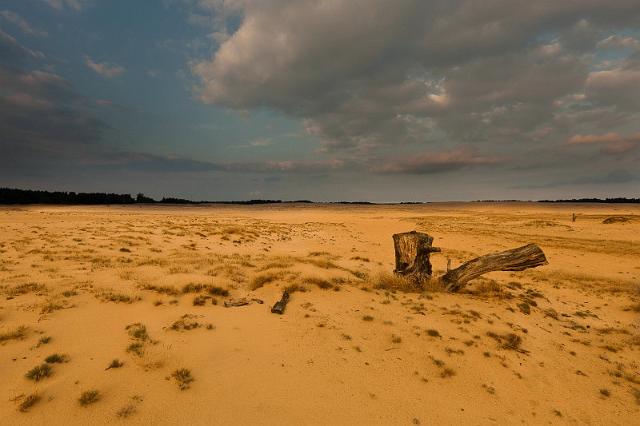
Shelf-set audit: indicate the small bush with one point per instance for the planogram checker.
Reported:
(39, 372)
(183, 378)
(136, 348)
(89, 397)
(137, 331)
(218, 291)
(433, 333)
(200, 300)
(28, 402)
(56, 359)
(367, 318)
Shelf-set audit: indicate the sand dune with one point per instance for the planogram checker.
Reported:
(145, 286)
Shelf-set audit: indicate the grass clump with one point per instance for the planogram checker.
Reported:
(126, 411)
(217, 291)
(89, 397)
(39, 372)
(433, 333)
(26, 288)
(200, 300)
(188, 322)
(509, 341)
(136, 348)
(160, 289)
(17, 334)
(111, 296)
(137, 331)
(367, 318)
(260, 280)
(447, 372)
(183, 377)
(56, 359)
(193, 288)
(292, 288)
(321, 283)
(29, 402)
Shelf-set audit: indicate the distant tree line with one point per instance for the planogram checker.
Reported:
(27, 196)
(618, 200)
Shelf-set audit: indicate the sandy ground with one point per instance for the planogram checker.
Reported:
(349, 349)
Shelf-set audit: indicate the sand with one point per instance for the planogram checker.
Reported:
(346, 351)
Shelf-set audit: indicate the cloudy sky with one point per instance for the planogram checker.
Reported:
(378, 100)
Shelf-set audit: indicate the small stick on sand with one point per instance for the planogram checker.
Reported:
(278, 308)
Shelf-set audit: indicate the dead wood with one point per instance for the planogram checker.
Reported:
(278, 308)
(412, 251)
(517, 259)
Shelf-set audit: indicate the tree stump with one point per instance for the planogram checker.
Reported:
(412, 251)
(518, 259)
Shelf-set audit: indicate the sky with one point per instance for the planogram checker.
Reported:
(327, 100)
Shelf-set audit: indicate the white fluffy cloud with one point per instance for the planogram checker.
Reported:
(370, 73)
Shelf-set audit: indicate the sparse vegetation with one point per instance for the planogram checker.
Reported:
(89, 397)
(56, 359)
(433, 333)
(183, 377)
(367, 318)
(39, 372)
(137, 331)
(17, 334)
(28, 402)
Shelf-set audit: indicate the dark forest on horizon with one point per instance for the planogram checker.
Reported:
(27, 196)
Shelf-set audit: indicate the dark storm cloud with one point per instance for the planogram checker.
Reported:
(41, 117)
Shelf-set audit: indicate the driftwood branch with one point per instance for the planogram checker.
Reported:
(412, 251)
(278, 308)
(517, 259)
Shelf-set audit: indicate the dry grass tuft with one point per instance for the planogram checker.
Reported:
(389, 281)
(56, 359)
(126, 411)
(292, 288)
(183, 377)
(137, 331)
(89, 397)
(25, 289)
(28, 402)
(320, 282)
(17, 334)
(112, 296)
(39, 372)
(260, 280)
(160, 289)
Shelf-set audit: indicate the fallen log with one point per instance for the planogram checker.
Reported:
(278, 308)
(518, 259)
(412, 250)
(242, 301)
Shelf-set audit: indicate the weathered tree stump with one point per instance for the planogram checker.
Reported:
(518, 259)
(412, 251)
